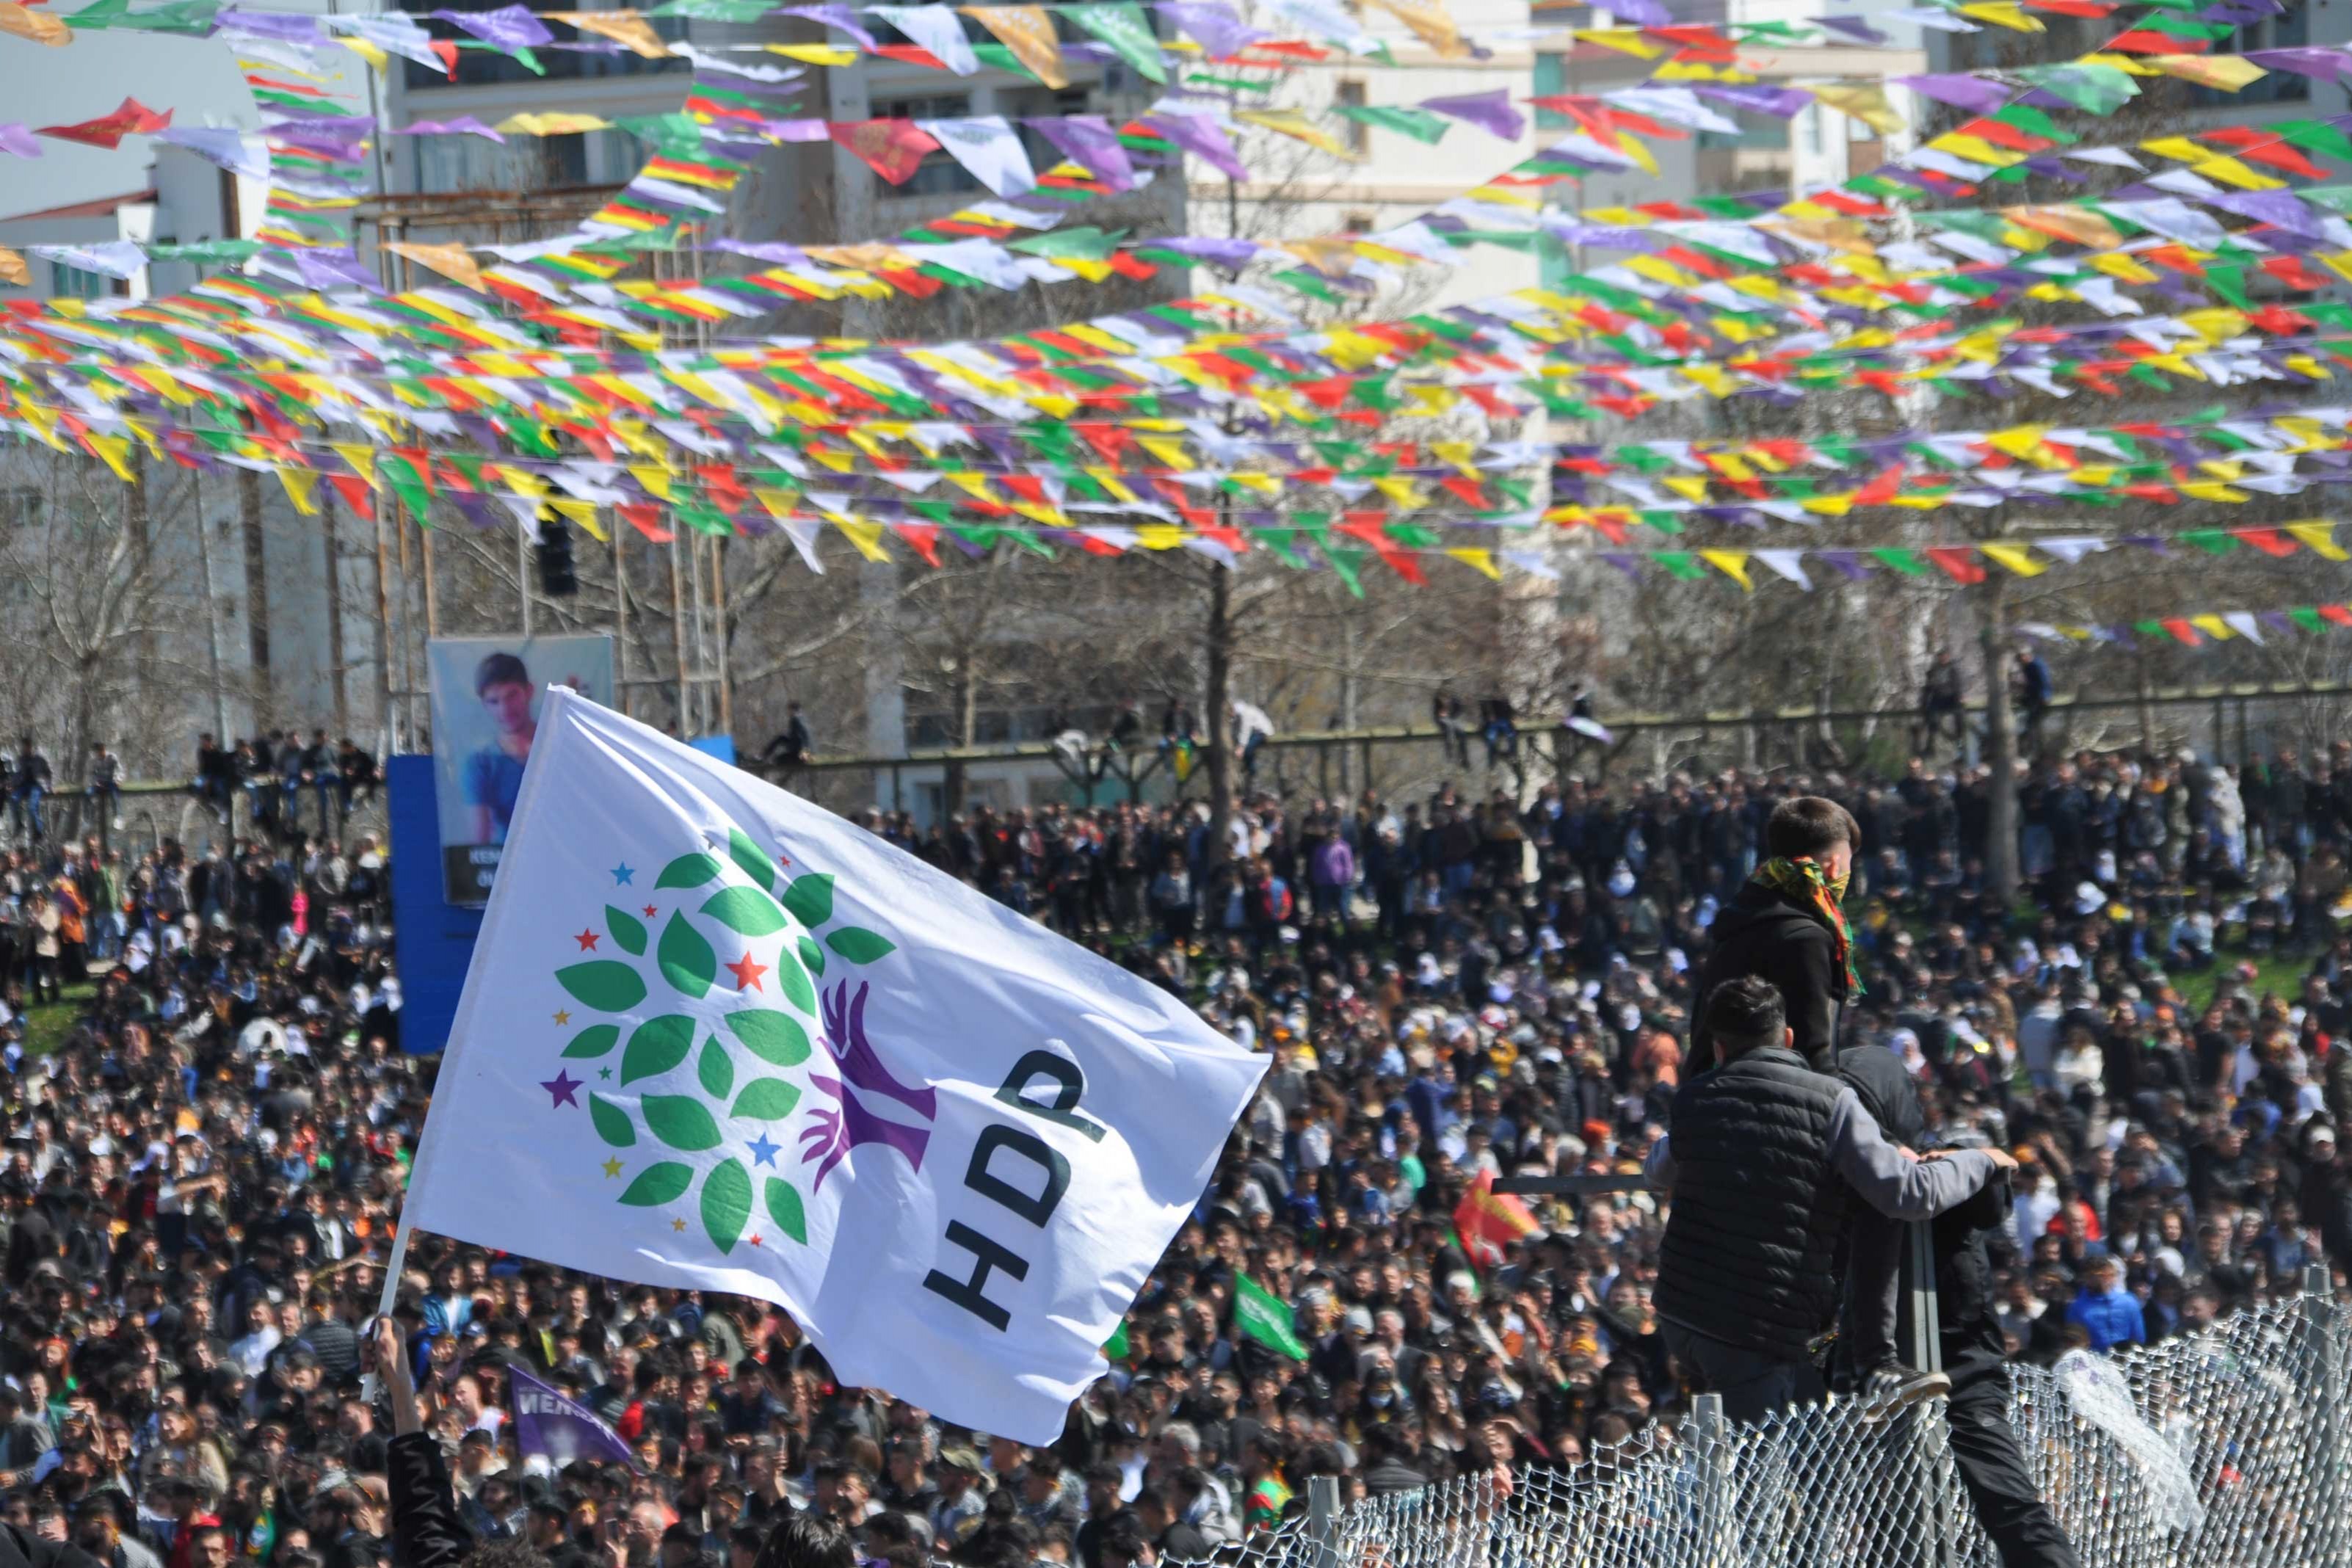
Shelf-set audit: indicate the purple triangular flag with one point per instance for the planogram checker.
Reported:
(1089, 139)
(549, 1421)
(1489, 111)
(1215, 25)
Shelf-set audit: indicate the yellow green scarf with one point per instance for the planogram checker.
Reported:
(1800, 881)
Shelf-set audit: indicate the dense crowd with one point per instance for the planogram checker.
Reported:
(203, 1158)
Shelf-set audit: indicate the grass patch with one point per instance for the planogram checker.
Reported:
(2277, 972)
(48, 1025)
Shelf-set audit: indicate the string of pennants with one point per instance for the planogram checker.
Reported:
(2204, 627)
(1484, 357)
(1088, 253)
(1023, 37)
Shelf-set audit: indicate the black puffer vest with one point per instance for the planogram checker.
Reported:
(1750, 1249)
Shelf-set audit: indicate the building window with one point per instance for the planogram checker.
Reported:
(79, 283)
(20, 507)
(1042, 103)
(1551, 80)
(482, 67)
(1358, 134)
(939, 174)
(2290, 28)
(1356, 223)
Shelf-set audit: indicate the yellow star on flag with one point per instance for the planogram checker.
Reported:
(677, 1225)
(611, 1167)
(562, 1016)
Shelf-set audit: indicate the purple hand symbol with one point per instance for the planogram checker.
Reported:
(835, 1130)
(844, 1027)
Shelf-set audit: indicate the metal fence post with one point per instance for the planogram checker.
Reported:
(2327, 1407)
(1323, 1520)
(1927, 1352)
(1711, 1483)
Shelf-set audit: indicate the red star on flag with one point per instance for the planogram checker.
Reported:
(587, 941)
(747, 971)
(650, 912)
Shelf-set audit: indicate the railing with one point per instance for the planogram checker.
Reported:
(2226, 1446)
(2219, 712)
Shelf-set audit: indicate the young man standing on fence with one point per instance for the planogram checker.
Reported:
(1786, 928)
(1763, 1158)
(1969, 1340)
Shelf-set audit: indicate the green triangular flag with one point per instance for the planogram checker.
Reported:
(1259, 1315)
(1122, 24)
(1418, 123)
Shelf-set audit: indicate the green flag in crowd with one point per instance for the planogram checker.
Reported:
(1261, 1315)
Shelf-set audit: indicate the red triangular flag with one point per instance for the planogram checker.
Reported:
(356, 494)
(893, 149)
(647, 520)
(1959, 563)
(132, 119)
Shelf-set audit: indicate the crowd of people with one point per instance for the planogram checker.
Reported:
(205, 1153)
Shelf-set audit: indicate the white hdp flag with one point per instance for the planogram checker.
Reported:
(716, 1037)
(989, 148)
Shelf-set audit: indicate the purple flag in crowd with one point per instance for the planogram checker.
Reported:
(551, 1422)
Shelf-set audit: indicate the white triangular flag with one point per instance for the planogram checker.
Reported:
(1789, 563)
(938, 28)
(716, 1038)
(989, 148)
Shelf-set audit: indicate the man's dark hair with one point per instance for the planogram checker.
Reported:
(1807, 825)
(805, 1540)
(499, 669)
(1745, 1014)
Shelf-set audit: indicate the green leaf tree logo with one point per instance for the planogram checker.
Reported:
(704, 1057)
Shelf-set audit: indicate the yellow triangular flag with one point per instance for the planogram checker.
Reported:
(1483, 559)
(621, 27)
(1732, 564)
(2319, 538)
(299, 483)
(451, 260)
(1028, 32)
(867, 536)
(2018, 558)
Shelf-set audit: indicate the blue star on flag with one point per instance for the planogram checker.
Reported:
(763, 1151)
(622, 873)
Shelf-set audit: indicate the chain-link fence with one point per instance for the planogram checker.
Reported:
(2228, 1446)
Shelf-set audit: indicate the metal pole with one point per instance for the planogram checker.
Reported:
(1712, 1482)
(723, 674)
(408, 623)
(1323, 1520)
(620, 619)
(678, 636)
(384, 628)
(522, 574)
(2327, 1403)
(212, 612)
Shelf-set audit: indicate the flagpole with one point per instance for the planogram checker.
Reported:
(388, 1296)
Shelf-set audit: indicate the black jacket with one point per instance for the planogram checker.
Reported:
(22, 1548)
(1966, 1233)
(1761, 932)
(425, 1530)
(1749, 1254)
